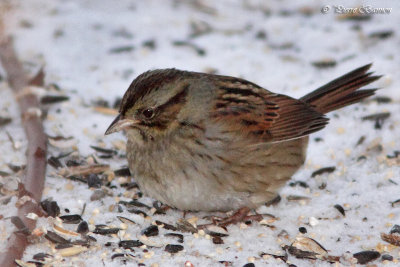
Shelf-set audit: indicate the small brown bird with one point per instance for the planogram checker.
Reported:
(204, 142)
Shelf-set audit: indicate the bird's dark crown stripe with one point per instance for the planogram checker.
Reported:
(145, 83)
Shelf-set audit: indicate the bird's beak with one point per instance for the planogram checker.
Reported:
(119, 124)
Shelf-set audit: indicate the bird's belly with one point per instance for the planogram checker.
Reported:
(204, 184)
(194, 194)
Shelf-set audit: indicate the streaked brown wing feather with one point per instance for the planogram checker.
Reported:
(266, 117)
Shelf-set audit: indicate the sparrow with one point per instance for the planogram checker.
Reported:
(205, 142)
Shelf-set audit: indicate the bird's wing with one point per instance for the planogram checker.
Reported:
(243, 107)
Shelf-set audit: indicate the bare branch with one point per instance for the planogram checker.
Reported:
(33, 181)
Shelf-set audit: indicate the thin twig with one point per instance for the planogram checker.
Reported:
(33, 181)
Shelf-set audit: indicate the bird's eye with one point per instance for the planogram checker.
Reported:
(148, 113)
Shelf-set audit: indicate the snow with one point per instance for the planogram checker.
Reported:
(73, 40)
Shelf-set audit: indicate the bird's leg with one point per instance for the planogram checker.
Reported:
(241, 215)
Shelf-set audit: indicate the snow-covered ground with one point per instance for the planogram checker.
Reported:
(92, 49)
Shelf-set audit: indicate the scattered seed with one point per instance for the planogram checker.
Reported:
(323, 170)
(125, 172)
(217, 240)
(303, 230)
(152, 230)
(62, 142)
(305, 244)
(125, 220)
(340, 209)
(323, 64)
(104, 150)
(226, 263)
(382, 99)
(63, 231)
(100, 230)
(179, 236)
(300, 254)
(299, 183)
(55, 238)
(139, 212)
(72, 251)
(216, 231)
(50, 207)
(364, 257)
(54, 162)
(83, 228)
(274, 201)
(296, 198)
(381, 34)
(16, 168)
(97, 195)
(129, 186)
(5, 121)
(84, 170)
(130, 244)
(121, 49)
(393, 239)
(151, 44)
(379, 118)
(117, 255)
(395, 229)
(71, 219)
(361, 140)
(199, 51)
(396, 153)
(284, 258)
(94, 181)
(52, 99)
(395, 203)
(166, 225)
(185, 226)
(387, 257)
(134, 203)
(42, 256)
(173, 248)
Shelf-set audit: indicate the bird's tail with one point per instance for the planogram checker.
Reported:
(342, 91)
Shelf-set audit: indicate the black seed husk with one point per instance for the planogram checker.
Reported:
(130, 244)
(123, 172)
(364, 257)
(51, 99)
(106, 231)
(41, 256)
(340, 209)
(134, 203)
(104, 150)
(54, 162)
(83, 228)
(167, 226)
(152, 230)
(217, 240)
(303, 230)
(139, 212)
(323, 170)
(387, 257)
(173, 248)
(71, 219)
(395, 229)
(179, 236)
(50, 207)
(55, 238)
